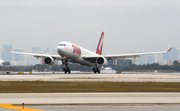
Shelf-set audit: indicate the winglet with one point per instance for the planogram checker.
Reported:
(169, 49)
(10, 49)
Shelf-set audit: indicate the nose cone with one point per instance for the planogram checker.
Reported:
(60, 49)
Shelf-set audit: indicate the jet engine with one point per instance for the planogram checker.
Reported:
(49, 60)
(101, 61)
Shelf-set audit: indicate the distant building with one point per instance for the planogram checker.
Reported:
(142, 60)
(48, 51)
(35, 50)
(163, 62)
(171, 62)
(150, 59)
(29, 60)
(54, 52)
(172, 55)
(165, 56)
(120, 62)
(6, 55)
(126, 62)
(18, 57)
(20, 63)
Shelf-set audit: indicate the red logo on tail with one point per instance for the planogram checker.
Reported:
(100, 44)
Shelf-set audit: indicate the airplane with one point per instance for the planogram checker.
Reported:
(70, 52)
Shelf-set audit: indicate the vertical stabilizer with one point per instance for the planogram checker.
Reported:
(100, 44)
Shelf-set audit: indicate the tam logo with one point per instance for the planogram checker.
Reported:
(76, 50)
(101, 43)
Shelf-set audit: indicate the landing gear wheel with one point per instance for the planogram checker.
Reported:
(66, 70)
(96, 70)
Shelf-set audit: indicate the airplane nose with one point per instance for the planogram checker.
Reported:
(59, 49)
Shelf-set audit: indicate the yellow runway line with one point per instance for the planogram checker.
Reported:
(10, 106)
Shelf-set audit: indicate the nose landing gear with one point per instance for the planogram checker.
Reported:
(66, 68)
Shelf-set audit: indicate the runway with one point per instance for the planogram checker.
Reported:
(90, 98)
(94, 101)
(91, 101)
(89, 76)
(129, 107)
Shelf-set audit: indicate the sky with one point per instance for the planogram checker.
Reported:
(129, 25)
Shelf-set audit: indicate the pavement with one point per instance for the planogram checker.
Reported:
(89, 76)
(90, 98)
(90, 101)
(120, 107)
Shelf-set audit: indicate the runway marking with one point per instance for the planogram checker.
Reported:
(10, 106)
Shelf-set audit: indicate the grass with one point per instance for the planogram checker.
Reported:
(61, 87)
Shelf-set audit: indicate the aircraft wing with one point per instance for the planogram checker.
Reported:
(125, 56)
(92, 58)
(57, 57)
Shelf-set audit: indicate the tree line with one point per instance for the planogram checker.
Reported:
(76, 67)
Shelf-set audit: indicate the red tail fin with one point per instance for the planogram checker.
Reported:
(100, 44)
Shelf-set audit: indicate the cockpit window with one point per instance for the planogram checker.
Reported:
(62, 44)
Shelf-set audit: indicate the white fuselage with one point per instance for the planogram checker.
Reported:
(74, 52)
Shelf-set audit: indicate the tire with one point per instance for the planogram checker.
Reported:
(93, 69)
(64, 69)
(98, 71)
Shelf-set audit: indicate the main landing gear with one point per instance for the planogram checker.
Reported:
(96, 69)
(66, 68)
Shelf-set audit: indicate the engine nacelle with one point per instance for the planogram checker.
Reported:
(49, 60)
(101, 61)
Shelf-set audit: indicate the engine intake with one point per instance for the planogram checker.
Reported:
(101, 60)
(49, 60)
